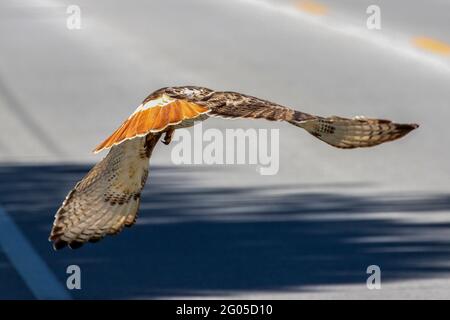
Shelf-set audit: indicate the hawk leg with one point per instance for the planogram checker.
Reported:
(168, 136)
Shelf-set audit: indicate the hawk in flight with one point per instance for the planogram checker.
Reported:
(107, 199)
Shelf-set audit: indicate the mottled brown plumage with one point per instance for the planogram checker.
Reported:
(107, 199)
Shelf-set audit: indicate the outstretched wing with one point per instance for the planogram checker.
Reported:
(358, 132)
(236, 105)
(336, 131)
(153, 116)
(107, 199)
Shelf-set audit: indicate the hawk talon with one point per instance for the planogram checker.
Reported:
(168, 136)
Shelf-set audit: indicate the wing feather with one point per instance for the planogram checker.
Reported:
(174, 114)
(155, 124)
(355, 133)
(108, 198)
(188, 111)
(153, 116)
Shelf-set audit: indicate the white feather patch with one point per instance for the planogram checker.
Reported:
(161, 101)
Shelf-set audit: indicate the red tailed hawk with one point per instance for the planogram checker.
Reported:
(107, 199)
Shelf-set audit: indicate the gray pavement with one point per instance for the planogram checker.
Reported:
(308, 232)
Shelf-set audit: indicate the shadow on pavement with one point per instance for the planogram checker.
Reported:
(191, 240)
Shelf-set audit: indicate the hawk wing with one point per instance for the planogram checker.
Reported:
(107, 198)
(338, 132)
(153, 115)
(358, 132)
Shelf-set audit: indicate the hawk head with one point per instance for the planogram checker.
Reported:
(188, 92)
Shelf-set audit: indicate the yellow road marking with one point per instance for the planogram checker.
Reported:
(432, 45)
(312, 7)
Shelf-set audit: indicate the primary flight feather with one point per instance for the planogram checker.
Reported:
(107, 199)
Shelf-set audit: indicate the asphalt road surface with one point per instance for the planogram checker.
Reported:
(311, 230)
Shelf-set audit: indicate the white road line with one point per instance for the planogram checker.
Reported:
(398, 45)
(33, 270)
